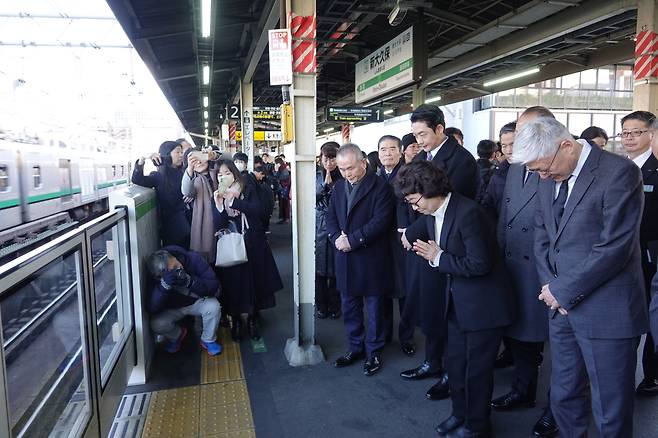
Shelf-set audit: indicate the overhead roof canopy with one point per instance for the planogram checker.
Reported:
(468, 42)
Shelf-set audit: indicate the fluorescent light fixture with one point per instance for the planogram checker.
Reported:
(205, 124)
(511, 77)
(433, 99)
(205, 114)
(206, 9)
(205, 101)
(206, 74)
(327, 130)
(206, 131)
(388, 112)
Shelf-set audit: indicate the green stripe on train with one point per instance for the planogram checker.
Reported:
(52, 195)
(9, 203)
(110, 184)
(144, 208)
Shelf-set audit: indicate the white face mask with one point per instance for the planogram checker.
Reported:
(240, 165)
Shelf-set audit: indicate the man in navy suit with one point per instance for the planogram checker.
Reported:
(587, 246)
(359, 220)
(636, 136)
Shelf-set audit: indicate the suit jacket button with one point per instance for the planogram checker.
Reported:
(524, 229)
(507, 199)
(555, 275)
(509, 226)
(526, 257)
(509, 254)
(557, 251)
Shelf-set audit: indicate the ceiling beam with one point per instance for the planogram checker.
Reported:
(268, 20)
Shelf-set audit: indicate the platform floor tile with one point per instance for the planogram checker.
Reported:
(224, 367)
(131, 416)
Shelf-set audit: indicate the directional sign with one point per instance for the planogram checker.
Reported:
(233, 112)
(354, 114)
(267, 113)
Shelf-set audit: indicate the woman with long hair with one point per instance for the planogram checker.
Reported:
(174, 226)
(248, 287)
(283, 177)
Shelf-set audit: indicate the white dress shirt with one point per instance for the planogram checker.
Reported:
(642, 158)
(432, 153)
(439, 216)
(584, 153)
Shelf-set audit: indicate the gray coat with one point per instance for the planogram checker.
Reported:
(516, 240)
(591, 260)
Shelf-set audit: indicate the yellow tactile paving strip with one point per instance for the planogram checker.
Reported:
(218, 408)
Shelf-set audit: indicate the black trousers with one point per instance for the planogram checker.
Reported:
(434, 348)
(327, 298)
(527, 359)
(470, 362)
(405, 326)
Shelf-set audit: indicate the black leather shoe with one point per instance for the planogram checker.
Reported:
(512, 400)
(422, 372)
(236, 328)
(463, 432)
(372, 365)
(504, 359)
(252, 327)
(546, 426)
(647, 388)
(450, 424)
(321, 314)
(408, 348)
(335, 315)
(440, 390)
(348, 359)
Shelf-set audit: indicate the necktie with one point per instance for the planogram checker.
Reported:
(560, 201)
(528, 174)
(429, 156)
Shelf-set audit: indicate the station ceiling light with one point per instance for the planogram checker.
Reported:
(512, 77)
(327, 130)
(205, 124)
(205, 101)
(206, 9)
(205, 115)
(206, 75)
(388, 112)
(433, 99)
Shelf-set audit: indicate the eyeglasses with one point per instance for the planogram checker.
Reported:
(548, 169)
(634, 133)
(415, 203)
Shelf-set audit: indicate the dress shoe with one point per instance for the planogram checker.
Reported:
(408, 348)
(372, 365)
(440, 390)
(252, 327)
(422, 372)
(512, 400)
(236, 329)
(335, 315)
(463, 432)
(546, 425)
(450, 424)
(348, 359)
(504, 359)
(321, 314)
(648, 387)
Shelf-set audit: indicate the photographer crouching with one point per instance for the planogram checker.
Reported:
(186, 285)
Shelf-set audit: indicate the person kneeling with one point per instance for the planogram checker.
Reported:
(456, 238)
(186, 285)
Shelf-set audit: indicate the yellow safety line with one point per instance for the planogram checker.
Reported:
(218, 408)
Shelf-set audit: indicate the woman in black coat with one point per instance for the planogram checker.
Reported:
(248, 287)
(327, 298)
(174, 226)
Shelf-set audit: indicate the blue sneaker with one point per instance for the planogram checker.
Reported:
(174, 346)
(213, 348)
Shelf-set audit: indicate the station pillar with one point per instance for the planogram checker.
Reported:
(418, 96)
(302, 349)
(247, 121)
(645, 71)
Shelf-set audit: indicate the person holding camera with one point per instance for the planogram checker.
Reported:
(185, 285)
(174, 225)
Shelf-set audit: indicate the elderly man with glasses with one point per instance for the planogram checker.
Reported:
(587, 246)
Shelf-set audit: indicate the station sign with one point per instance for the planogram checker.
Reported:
(262, 135)
(348, 114)
(267, 113)
(233, 112)
(280, 43)
(386, 69)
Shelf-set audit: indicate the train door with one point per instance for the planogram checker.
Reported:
(65, 180)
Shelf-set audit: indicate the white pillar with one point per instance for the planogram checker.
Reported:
(247, 121)
(302, 349)
(645, 91)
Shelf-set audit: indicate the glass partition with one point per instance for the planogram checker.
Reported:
(45, 349)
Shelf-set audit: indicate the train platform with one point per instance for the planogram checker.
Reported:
(250, 390)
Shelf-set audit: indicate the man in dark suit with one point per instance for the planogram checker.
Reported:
(456, 238)
(389, 148)
(428, 126)
(636, 136)
(359, 216)
(587, 248)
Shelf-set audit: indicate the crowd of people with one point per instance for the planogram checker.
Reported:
(545, 239)
(200, 195)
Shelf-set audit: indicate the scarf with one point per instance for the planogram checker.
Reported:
(202, 233)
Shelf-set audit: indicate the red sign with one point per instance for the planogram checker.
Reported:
(280, 57)
(303, 43)
(646, 61)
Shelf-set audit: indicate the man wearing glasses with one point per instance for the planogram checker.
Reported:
(587, 246)
(636, 138)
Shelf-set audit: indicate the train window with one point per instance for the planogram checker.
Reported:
(36, 176)
(4, 179)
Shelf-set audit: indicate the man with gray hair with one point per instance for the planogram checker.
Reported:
(359, 218)
(587, 247)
